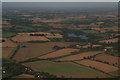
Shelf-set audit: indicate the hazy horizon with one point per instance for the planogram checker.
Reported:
(62, 5)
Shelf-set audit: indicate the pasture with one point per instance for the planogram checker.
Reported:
(66, 69)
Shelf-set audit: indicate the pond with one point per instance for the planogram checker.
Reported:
(82, 36)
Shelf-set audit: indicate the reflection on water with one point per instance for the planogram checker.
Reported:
(78, 36)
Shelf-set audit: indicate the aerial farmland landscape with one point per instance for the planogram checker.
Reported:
(60, 40)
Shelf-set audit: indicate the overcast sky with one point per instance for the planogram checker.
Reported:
(60, 0)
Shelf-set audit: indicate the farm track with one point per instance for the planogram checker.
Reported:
(15, 52)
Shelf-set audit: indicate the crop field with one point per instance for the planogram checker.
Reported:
(7, 43)
(108, 58)
(36, 49)
(6, 52)
(66, 69)
(25, 38)
(86, 46)
(79, 56)
(24, 76)
(100, 66)
(59, 53)
(110, 41)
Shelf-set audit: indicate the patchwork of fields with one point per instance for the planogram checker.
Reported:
(59, 40)
(37, 49)
(78, 63)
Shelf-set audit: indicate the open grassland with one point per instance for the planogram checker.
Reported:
(7, 43)
(107, 58)
(90, 31)
(6, 52)
(7, 34)
(79, 56)
(98, 65)
(36, 49)
(66, 69)
(114, 73)
(58, 53)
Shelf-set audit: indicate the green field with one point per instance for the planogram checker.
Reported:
(114, 73)
(8, 34)
(64, 68)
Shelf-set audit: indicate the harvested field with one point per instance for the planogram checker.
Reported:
(24, 76)
(109, 41)
(107, 58)
(63, 25)
(59, 53)
(25, 38)
(86, 46)
(6, 52)
(66, 69)
(7, 43)
(79, 56)
(55, 36)
(54, 20)
(100, 66)
(45, 33)
(36, 49)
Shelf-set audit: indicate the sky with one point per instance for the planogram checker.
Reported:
(60, 0)
(62, 5)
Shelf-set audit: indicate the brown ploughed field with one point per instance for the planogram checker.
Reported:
(107, 58)
(100, 66)
(79, 56)
(59, 53)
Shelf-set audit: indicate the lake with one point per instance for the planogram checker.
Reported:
(82, 36)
